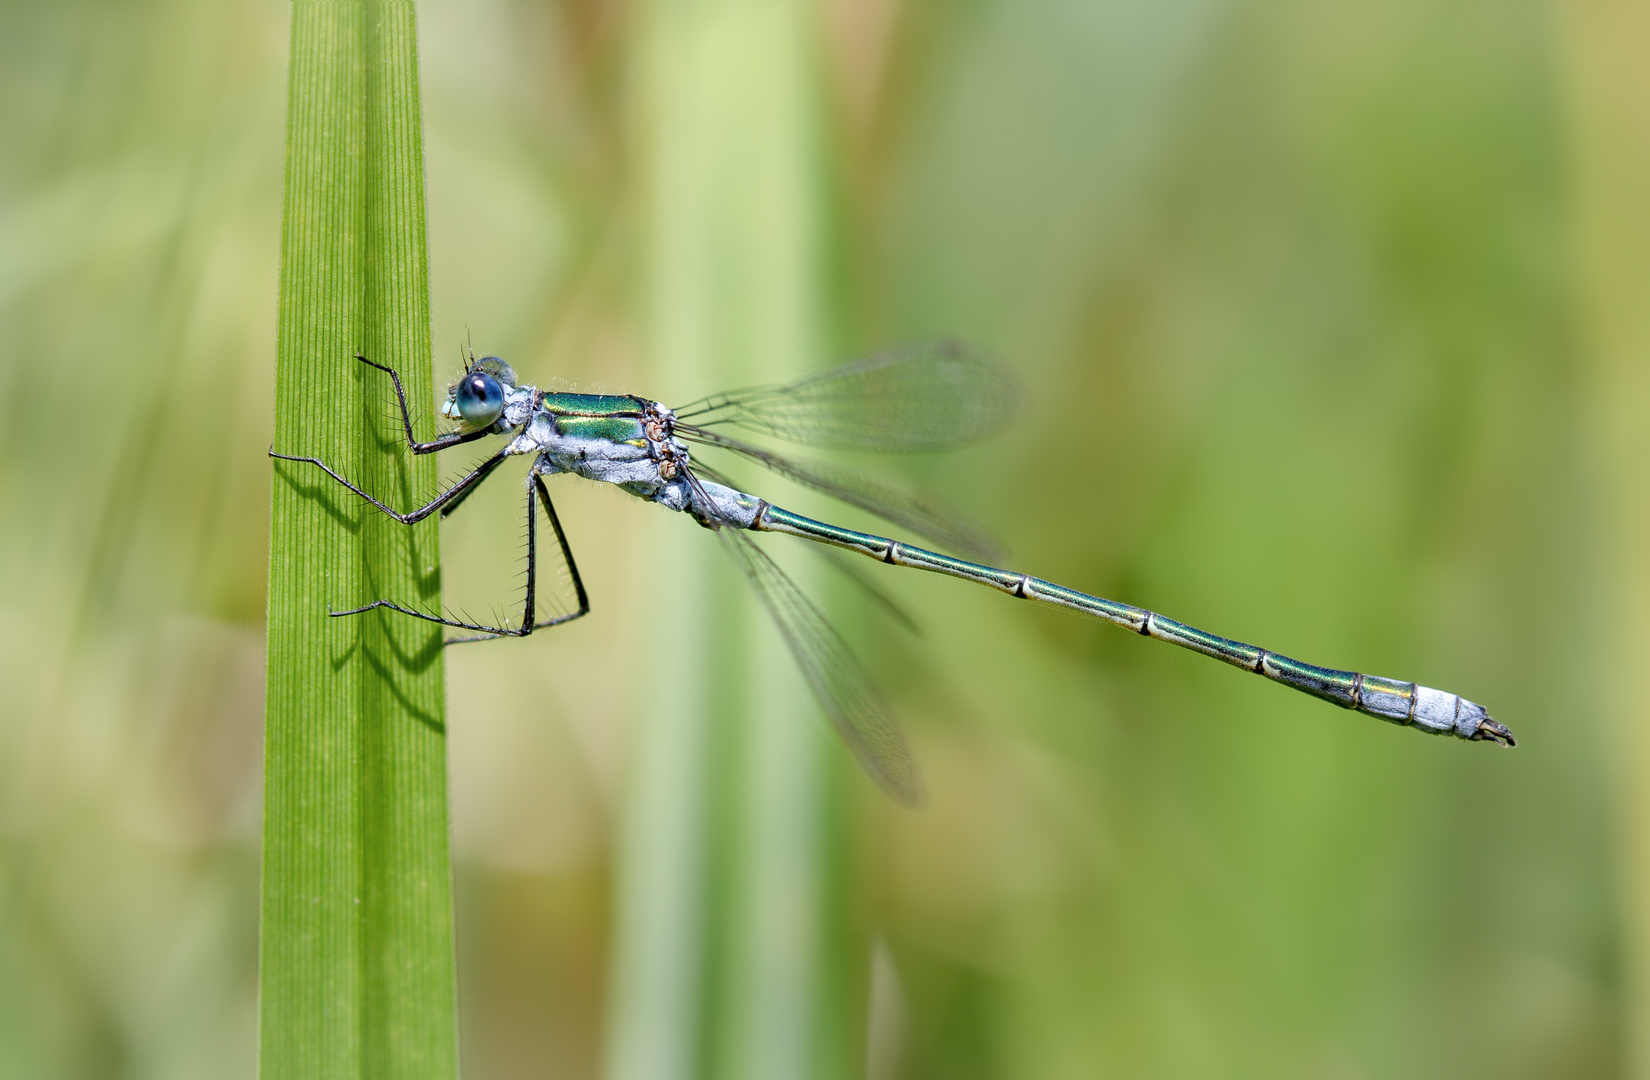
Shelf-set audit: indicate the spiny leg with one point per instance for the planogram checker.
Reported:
(489, 465)
(483, 632)
(567, 557)
(440, 442)
(457, 491)
(528, 625)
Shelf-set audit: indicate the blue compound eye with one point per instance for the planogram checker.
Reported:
(480, 399)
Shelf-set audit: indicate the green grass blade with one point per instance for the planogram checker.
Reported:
(356, 964)
(734, 956)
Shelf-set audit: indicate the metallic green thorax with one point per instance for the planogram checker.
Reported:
(609, 417)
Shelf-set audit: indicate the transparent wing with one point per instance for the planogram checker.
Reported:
(850, 569)
(838, 682)
(917, 399)
(886, 502)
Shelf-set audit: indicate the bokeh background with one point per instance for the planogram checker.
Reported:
(1330, 319)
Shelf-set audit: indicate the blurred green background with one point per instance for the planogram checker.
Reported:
(1328, 317)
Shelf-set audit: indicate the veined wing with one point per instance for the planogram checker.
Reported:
(917, 399)
(886, 502)
(836, 678)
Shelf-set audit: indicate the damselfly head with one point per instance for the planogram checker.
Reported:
(478, 397)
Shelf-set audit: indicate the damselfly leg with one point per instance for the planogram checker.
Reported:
(458, 500)
(451, 496)
(448, 500)
(440, 442)
(529, 616)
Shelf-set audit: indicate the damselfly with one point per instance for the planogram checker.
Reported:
(932, 397)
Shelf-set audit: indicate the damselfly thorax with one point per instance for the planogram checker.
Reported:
(626, 441)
